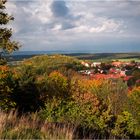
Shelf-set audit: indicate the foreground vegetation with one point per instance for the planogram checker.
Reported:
(48, 90)
(30, 127)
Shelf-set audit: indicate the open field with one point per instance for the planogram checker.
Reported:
(130, 59)
(109, 56)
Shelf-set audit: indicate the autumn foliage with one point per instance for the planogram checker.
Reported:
(104, 108)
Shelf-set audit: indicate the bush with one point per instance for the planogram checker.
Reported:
(7, 85)
(134, 107)
(124, 126)
(26, 93)
(57, 86)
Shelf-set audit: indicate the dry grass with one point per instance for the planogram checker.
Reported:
(30, 127)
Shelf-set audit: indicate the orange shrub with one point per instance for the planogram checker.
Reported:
(81, 90)
(134, 90)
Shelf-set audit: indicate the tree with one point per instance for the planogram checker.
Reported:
(6, 44)
(57, 85)
(7, 82)
(134, 104)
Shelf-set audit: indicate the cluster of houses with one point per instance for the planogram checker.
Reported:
(113, 70)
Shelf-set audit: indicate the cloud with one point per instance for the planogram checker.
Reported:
(54, 22)
(59, 9)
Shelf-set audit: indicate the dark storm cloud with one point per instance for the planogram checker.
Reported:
(59, 9)
(61, 15)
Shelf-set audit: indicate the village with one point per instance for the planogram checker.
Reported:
(128, 71)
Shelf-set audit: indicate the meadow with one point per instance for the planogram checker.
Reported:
(108, 56)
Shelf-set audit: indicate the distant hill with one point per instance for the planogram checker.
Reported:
(83, 56)
(46, 64)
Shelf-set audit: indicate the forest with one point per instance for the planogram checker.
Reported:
(44, 97)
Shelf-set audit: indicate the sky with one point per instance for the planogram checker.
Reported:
(77, 25)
